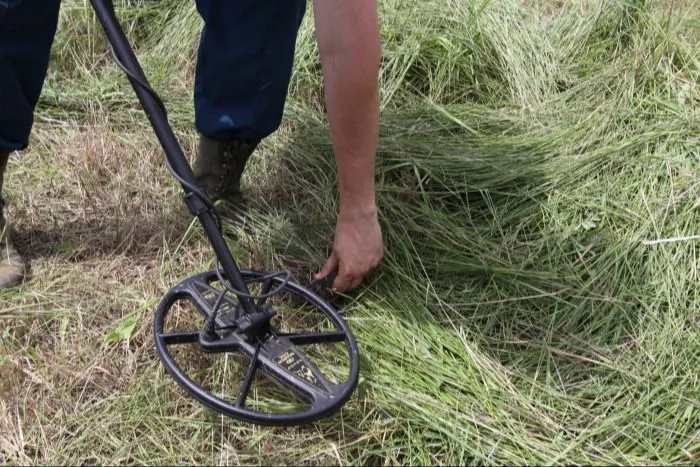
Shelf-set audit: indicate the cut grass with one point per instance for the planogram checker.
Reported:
(538, 187)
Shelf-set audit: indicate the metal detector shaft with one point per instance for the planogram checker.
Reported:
(173, 152)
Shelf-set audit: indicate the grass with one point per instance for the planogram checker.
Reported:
(538, 188)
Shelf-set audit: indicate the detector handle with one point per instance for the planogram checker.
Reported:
(157, 116)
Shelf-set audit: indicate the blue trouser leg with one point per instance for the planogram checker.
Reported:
(244, 65)
(27, 29)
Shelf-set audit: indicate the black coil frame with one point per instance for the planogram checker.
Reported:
(229, 275)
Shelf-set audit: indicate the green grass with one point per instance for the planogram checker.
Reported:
(539, 196)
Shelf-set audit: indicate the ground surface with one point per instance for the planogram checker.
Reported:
(539, 191)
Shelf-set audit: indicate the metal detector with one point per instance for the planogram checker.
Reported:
(233, 322)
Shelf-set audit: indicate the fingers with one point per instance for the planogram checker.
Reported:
(329, 267)
(356, 283)
(343, 282)
(348, 280)
(348, 277)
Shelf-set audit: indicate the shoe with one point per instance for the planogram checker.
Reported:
(12, 267)
(220, 165)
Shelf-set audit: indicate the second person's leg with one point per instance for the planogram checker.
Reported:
(244, 65)
(27, 29)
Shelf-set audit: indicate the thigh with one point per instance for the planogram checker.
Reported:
(244, 64)
(27, 29)
(252, 23)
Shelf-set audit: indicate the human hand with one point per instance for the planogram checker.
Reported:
(357, 249)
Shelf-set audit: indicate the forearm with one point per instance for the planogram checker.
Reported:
(348, 35)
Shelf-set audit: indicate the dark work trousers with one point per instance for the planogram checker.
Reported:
(244, 65)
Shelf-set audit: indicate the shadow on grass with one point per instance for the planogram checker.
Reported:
(98, 236)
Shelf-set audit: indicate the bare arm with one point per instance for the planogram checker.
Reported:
(350, 46)
(348, 36)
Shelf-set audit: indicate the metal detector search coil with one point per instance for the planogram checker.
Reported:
(236, 322)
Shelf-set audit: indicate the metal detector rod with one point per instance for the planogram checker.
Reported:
(105, 12)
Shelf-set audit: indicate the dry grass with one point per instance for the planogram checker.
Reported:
(530, 328)
(99, 219)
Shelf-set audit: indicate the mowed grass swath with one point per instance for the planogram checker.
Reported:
(539, 193)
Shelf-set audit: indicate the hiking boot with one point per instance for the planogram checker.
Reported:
(12, 266)
(220, 165)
